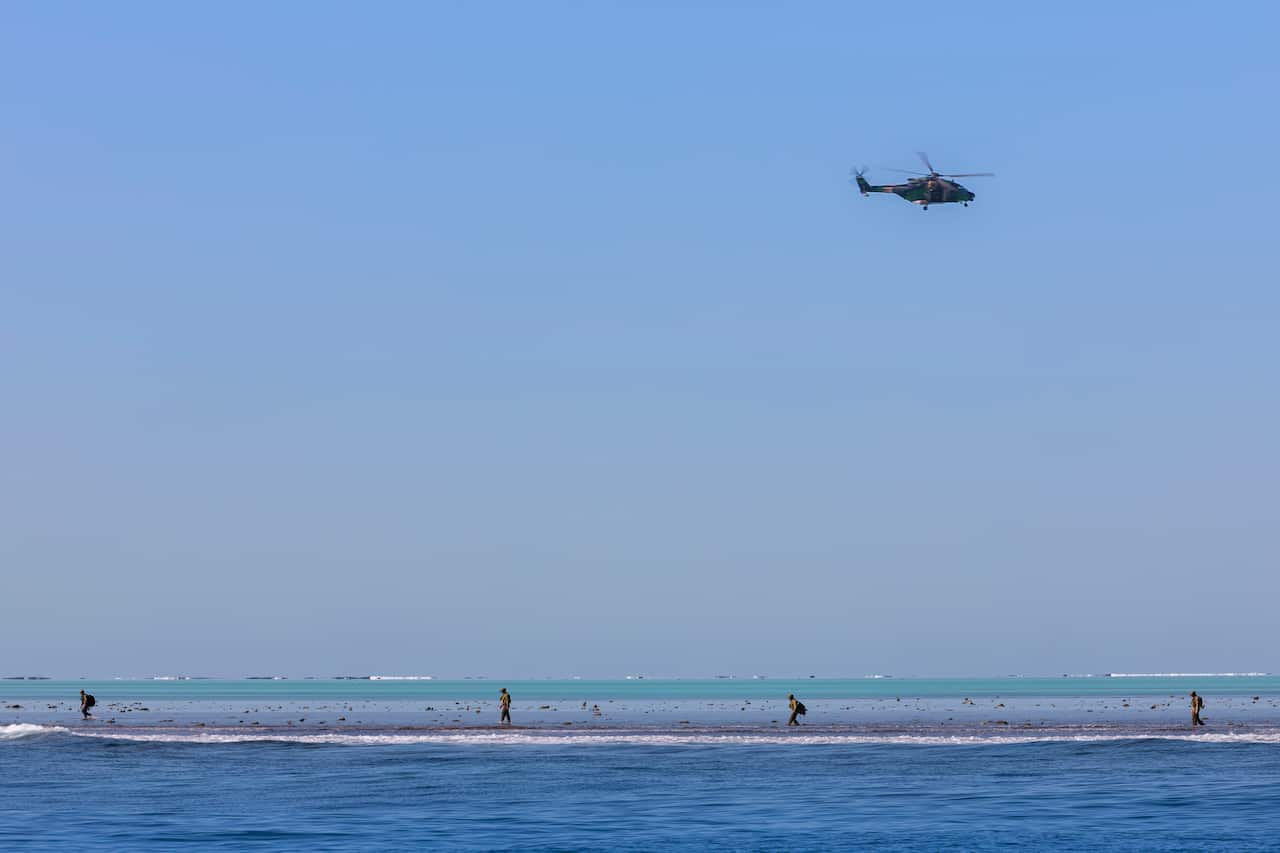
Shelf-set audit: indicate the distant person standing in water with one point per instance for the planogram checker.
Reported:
(1197, 705)
(86, 702)
(797, 709)
(504, 699)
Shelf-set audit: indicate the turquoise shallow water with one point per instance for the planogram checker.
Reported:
(865, 706)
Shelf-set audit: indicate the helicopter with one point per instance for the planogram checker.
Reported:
(923, 188)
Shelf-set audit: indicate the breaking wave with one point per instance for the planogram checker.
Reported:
(14, 731)
(644, 739)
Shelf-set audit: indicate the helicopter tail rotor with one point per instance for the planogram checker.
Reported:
(859, 181)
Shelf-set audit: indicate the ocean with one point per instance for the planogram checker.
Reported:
(1105, 763)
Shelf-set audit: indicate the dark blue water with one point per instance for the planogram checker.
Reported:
(60, 791)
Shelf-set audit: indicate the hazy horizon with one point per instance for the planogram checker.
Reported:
(759, 677)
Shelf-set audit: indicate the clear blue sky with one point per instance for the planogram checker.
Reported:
(543, 339)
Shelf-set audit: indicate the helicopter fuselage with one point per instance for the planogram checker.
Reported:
(936, 191)
(923, 191)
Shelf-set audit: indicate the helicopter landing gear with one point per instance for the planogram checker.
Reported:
(924, 207)
(966, 204)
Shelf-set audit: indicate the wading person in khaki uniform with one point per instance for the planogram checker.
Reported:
(504, 699)
(797, 709)
(1197, 705)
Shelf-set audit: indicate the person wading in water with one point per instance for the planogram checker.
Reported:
(504, 699)
(797, 709)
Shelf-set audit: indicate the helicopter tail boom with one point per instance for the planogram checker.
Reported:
(865, 188)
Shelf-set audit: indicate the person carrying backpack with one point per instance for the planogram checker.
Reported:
(86, 702)
(504, 700)
(797, 709)
(1197, 705)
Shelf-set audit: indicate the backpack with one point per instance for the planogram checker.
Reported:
(801, 709)
(89, 701)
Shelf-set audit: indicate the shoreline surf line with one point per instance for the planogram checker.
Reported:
(534, 736)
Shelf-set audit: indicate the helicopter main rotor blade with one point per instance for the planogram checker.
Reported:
(901, 171)
(924, 158)
(971, 175)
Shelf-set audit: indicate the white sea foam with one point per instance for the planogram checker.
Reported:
(652, 739)
(401, 677)
(13, 731)
(1187, 674)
